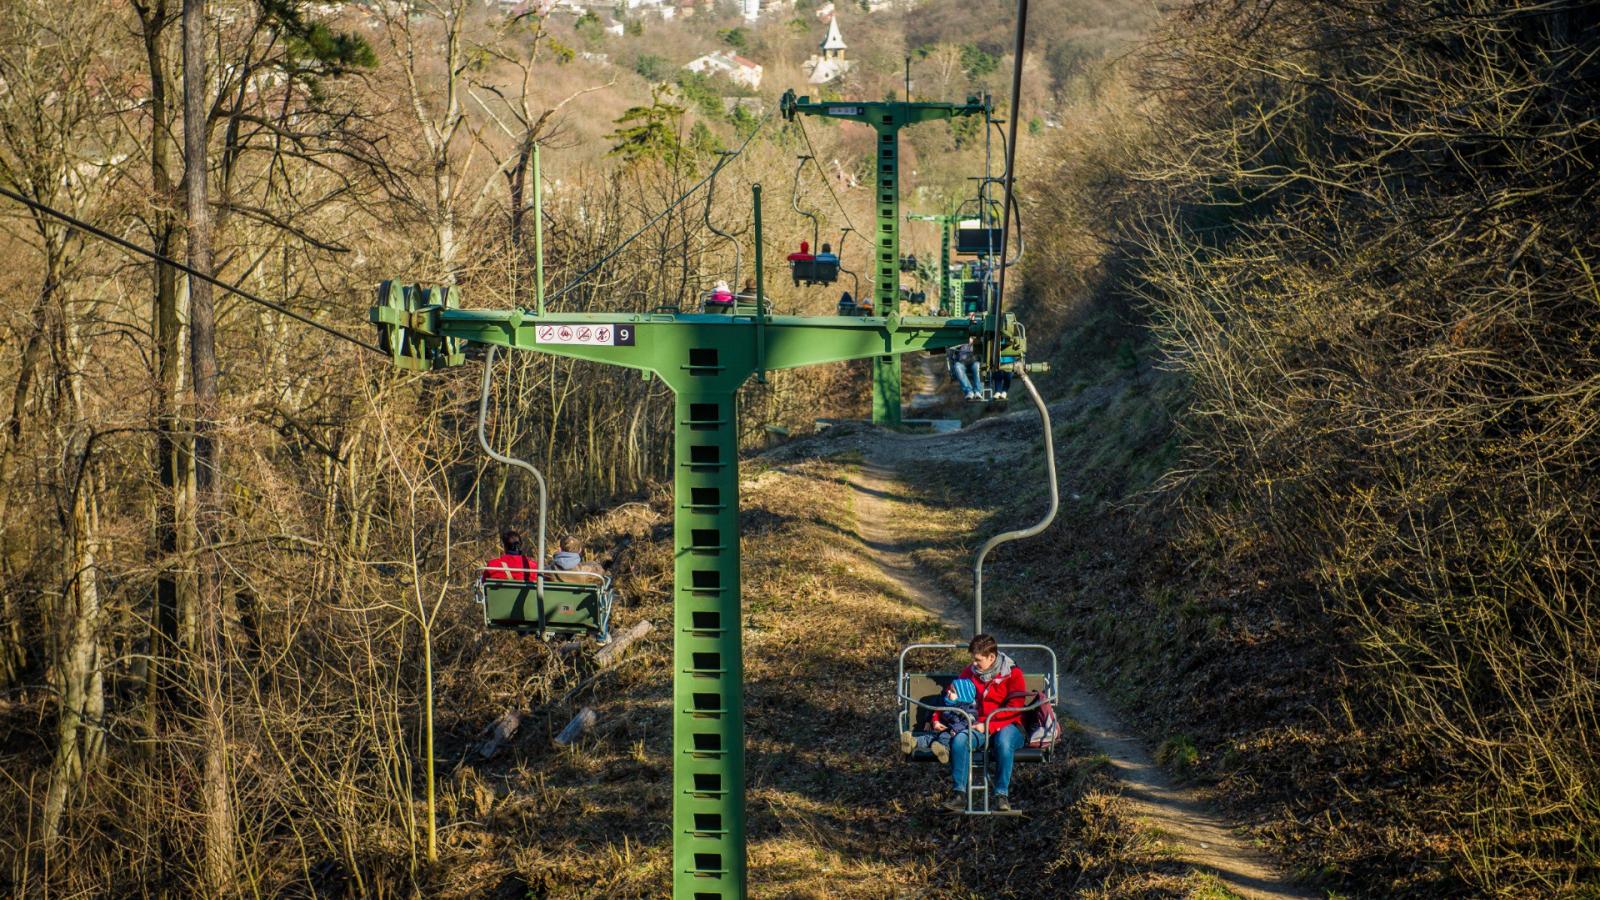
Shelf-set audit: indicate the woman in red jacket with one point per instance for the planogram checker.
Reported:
(511, 565)
(1001, 686)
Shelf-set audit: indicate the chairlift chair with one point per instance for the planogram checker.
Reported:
(546, 608)
(977, 240)
(816, 269)
(976, 231)
(921, 694)
(569, 603)
(920, 691)
(709, 301)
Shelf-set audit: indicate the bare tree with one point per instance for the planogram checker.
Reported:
(216, 794)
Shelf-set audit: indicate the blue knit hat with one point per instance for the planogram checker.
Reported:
(965, 692)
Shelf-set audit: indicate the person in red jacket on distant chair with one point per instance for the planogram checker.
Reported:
(511, 565)
(1001, 686)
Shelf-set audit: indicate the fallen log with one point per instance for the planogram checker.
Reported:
(580, 723)
(500, 731)
(608, 655)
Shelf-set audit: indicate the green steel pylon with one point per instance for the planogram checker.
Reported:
(704, 358)
(886, 118)
(947, 221)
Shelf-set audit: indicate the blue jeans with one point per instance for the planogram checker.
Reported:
(1006, 742)
(966, 375)
(926, 740)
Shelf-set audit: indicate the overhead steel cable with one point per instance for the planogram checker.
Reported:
(569, 286)
(195, 273)
(824, 173)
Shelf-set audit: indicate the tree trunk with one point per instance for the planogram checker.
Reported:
(78, 725)
(218, 865)
(166, 455)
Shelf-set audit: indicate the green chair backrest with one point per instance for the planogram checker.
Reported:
(569, 608)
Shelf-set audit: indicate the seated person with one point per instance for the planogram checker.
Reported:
(800, 264)
(1000, 379)
(748, 292)
(964, 366)
(1001, 688)
(827, 255)
(570, 559)
(721, 295)
(511, 565)
(865, 306)
(847, 304)
(960, 694)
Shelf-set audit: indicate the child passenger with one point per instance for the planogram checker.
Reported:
(960, 694)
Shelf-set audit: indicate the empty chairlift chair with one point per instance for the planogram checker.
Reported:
(977, 231)
(975, 239)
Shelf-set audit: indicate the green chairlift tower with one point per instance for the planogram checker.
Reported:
(946, 222)
(886, 118)
(704, 358)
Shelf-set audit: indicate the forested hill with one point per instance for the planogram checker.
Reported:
(1326, 271)
(1317, 279)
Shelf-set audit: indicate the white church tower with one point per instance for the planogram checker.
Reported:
(831, 63)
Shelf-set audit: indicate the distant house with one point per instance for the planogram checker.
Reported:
(740, 70)
(830, 63)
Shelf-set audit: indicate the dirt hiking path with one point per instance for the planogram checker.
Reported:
(1192, 832)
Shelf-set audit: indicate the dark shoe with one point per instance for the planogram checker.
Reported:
(957, 802)
(1002, 803)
